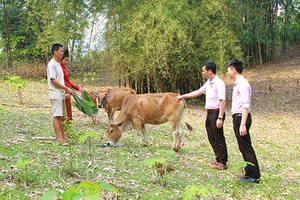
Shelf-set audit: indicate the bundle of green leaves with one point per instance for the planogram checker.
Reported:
(85, 104)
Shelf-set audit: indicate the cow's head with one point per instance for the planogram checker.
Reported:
(102, 99)
(114, 133)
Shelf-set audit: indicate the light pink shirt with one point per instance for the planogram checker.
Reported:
(241, 95)
(214, 91)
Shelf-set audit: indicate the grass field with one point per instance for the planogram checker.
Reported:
(31, 162)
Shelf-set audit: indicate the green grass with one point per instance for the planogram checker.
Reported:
(27, 133)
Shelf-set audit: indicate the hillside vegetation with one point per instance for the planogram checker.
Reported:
(27, 137)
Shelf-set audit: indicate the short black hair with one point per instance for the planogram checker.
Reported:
(236, 64)
(66, 53)
(210, 66)
(55, 47)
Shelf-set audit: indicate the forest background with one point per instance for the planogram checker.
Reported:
(152, 46)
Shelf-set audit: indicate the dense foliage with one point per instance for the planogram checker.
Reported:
(152, 46)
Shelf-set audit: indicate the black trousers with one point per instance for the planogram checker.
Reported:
(216, 136)
(245, 146)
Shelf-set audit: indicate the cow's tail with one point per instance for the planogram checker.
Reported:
(189, 127)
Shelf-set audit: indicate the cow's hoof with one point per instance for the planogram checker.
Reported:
(175, 149)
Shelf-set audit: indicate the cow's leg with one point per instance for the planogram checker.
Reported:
(177, 135)
(84, 119)
(97, 118)
(145, 135)
(110, 115)
(94, 119)
(139, 130)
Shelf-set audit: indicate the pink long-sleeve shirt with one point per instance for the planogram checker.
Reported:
(241, 96)
(214, 90)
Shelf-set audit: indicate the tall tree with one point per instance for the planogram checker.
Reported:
(161, 45)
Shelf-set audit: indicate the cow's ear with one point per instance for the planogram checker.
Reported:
(120, 124)
(113, 124)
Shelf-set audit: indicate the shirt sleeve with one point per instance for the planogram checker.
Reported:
(221, 91)
(75, 87)
(68, 83)
(203, 88)
(245, 92)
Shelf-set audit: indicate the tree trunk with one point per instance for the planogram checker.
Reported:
(285, 31)
(8, 59)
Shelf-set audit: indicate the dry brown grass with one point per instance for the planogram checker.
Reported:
(275, 135)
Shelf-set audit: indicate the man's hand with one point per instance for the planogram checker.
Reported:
(178, 98)
(219, 123)
(69, 91)
(243, 130)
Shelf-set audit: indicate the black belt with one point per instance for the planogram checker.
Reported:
(213, 110)
(237, 115)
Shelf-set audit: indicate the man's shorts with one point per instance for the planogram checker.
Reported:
(58, 107)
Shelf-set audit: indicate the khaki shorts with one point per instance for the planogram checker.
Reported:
(58, 107)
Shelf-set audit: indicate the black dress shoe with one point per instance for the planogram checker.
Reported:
(247, 179)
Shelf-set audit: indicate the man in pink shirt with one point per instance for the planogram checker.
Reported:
(215, 91)
(241, 106)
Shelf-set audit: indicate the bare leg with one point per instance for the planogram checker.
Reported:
(57, 128)
(65, 134)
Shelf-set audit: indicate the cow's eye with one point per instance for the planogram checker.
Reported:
(111, 130)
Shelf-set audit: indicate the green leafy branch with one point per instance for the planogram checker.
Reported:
(83, 190)
(196, 192)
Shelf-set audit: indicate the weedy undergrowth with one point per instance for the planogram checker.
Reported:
(69, 129)
(160, 165)
(16, 83)
(22, 165)
(83, 190)
(88, 136)
(198, 192)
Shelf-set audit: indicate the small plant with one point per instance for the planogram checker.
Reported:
(17, 84)
(196, 192)
(22, 165)
(69, 129)
(84, 190)
(239, 166)
(161, 165)
(87, 137)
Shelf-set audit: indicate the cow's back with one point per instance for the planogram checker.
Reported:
(153, 108)
(117, 95)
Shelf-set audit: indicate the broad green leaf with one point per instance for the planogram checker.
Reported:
(85, 184)
(108, 187)
(49, 195)
(69, 195)
(85, 104)
(92, 197)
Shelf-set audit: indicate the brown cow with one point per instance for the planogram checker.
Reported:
(112, 99)
(141, 109)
